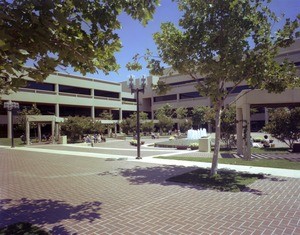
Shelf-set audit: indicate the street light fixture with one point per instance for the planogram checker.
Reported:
(137, 90)
(11, 106)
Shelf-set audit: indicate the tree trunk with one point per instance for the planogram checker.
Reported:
(214, 165)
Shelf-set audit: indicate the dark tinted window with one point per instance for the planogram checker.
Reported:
(165, 98)
(74, 90)
(108, 94)
(238, 89)
(189, 95)
(40, 86)
(129, 99)
(185, 82)
(65, 111)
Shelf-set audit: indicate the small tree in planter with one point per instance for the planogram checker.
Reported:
(194, 146)
(134, 142)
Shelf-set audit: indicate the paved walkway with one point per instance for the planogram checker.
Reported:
(69, 193)
(120, 149)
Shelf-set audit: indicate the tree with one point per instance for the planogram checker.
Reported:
(228, 122)
(52, 33)
(184, 124)
(147, 126)
(76, 127)
(198, 115)
(21, 119)
(284, 125)
(128, 125)
(105, 115)
(164, 115)
(228, 126)
(227, 42)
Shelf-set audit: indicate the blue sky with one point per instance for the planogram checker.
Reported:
(137, 38)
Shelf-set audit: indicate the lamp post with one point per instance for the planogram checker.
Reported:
(137, 90)
(10, 106)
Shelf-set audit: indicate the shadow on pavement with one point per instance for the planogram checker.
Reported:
(46, 211)
(161, 175)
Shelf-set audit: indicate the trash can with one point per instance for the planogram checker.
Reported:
(204, 144)
(63, 139)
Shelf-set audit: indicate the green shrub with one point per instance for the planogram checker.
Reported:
(194, 146)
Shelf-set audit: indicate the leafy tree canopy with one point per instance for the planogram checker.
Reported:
(129, 124)
(284, 125)
(21, 118)
(76, 127)
(165, 115)
(225, 42)
(105, 115)
(52, 33)
(199, 115)
(228, 41)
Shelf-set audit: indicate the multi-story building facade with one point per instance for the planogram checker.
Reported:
(183, 93)
(65, 95)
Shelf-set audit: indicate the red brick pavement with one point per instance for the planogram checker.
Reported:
(78, 195)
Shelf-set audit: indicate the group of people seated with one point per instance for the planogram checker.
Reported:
(93, 139)
(265, 143)
(44, 138)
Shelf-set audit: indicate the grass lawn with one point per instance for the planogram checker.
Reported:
(7, 142)
(224, 181)
(280, 163)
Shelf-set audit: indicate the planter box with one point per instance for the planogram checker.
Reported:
(181, 147)
(194, 148)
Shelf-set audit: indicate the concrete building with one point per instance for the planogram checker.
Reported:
(65, 95)
(184, 94)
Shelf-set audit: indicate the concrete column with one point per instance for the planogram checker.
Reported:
(57, 110)
(239, 130)
(27, 132)
(93, 112)
(266, 115)
(53, 131)
(56, 88)
(39, 132)
(120, 119)
(120, 115)
(109, 131)
(57, 132)
(246, 124)
(152, 111)
(93, 93)
(9, 130)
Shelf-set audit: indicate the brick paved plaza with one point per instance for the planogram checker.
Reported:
(68, 194)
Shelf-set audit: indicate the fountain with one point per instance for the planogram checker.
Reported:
(196, 134)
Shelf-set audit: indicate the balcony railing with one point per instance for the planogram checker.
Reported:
(37, 91)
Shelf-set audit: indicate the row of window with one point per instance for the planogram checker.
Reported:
(185, 82)
(71, 89)
(194, 94)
